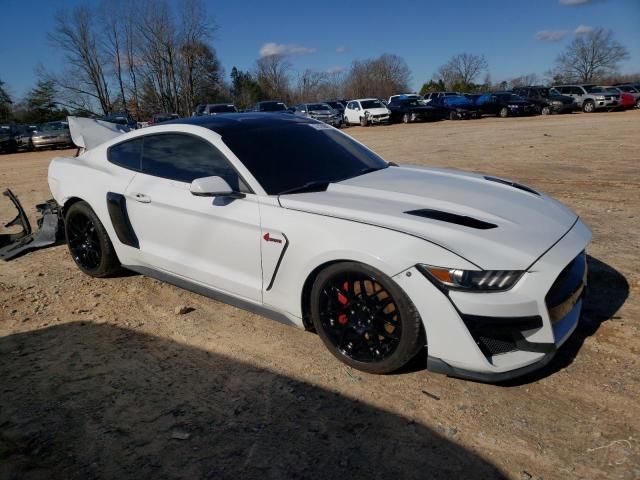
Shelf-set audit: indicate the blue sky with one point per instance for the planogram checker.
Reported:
(516, 36)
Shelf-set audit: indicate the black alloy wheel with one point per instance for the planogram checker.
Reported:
(364, 318)
(88, 241)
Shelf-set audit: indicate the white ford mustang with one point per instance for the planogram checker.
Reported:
(287, 216)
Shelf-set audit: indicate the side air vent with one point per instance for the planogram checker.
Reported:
(512, 184)
(452, 218)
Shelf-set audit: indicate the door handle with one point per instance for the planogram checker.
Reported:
(141, 197)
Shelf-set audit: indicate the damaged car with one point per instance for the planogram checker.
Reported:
(365, 112)
(383, 261)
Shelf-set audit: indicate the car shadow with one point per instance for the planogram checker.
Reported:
(607, 290)
(86, 400)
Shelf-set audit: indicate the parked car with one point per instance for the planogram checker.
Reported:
(590, 97)
(51, 135)
(308, 226)
(121, 118)
(23, 138)
(162, 117)
(408, 110)
(8, 133)
(319, 111)
(504, 104)
(433, 95)
(405, 96)
(547, 100)
(366, 111)
(456, 107)
(336, 105)
(631, 90)
(216, 109)
(270, 106)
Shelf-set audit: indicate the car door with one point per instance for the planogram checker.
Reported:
(351, 113)
(214, 241)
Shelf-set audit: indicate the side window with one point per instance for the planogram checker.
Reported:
(350, 105)
(577, 90)
(184, 158)
(126, 154)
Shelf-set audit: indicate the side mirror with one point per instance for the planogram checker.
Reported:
(213, 187)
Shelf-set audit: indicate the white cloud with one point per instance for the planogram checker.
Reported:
(341, 49)
(336, 69)
(272, 48)
(577, 2)
(582, 29)
(551, 35)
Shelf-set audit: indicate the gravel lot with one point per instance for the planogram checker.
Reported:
(102, 379)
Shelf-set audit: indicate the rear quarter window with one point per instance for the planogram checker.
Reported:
(126, 154)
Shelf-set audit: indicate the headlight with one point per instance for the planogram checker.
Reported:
(472, 280)
(600, 97)
(556, 102)
(513, 106)
(366, 113)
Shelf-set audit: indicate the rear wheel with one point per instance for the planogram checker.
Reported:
(364, 318)
(88, 241)
(345, 122)
(504, 112)
(406, 118)
(588, 106)
(453, 115)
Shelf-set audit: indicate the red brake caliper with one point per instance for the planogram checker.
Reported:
(342, 318)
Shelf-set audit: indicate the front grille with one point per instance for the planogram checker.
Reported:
(567, 289)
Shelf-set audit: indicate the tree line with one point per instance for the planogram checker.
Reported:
(149, 56)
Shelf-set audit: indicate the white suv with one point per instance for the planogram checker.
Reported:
(366, 111)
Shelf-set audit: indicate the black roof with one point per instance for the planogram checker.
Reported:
(241, 121)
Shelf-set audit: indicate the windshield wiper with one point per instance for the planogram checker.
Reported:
(315, 186)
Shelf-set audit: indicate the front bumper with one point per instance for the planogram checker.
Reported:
(606, 104)
(376, 119)
(503, 335)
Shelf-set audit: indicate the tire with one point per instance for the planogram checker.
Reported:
(588, 106)
(345, 122)
(378, 332)
(504, 112)
(88, 242)
(453, 116)
(546, 110)
(638, 103)
(363, 122)
(406, 118)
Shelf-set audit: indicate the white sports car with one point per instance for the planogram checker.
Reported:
(290, 217)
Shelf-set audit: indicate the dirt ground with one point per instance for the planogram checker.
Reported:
(102, 379)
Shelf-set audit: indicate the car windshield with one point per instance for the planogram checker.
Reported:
(592, 88)
(318, 106)
(545, 92)
(53, 127)
(336, 105)
(371, 104)
(292, 155)
(272, 107)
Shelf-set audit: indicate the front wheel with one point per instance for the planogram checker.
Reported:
(504, 112)
(364, 318)
(88, 241)
(546, 110)
(453, 116)
(588, 106)
(363, 121)
(406, 118)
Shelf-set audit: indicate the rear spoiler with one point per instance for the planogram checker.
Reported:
(88, 133)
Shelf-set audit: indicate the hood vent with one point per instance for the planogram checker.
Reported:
(512, 184)
(452, 218)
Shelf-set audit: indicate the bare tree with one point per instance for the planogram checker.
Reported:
(590, 56)
(75, 35)
(380, 77)
(113, 38)
(525, 80)
(272, 73)
(462, 69)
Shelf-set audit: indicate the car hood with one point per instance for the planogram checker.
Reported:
(527, 223)
(376, 111)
